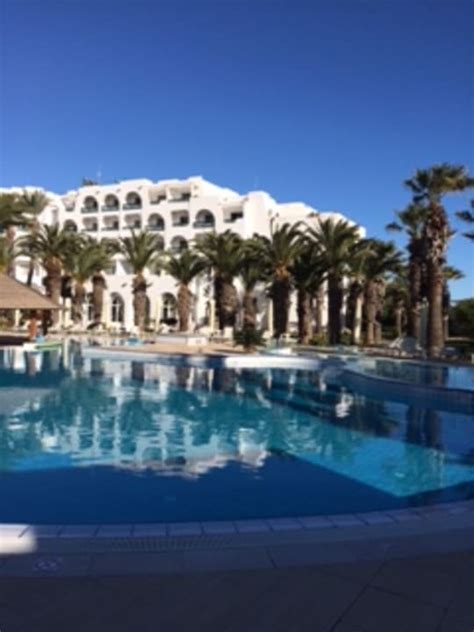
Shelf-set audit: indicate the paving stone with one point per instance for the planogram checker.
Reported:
(184, 528)
(114, 531)
(377, 610)
(251, 526)
(149, 530)
(79, 531)
(217, 528)
(226, 560)
(284, 524)
(316, 522)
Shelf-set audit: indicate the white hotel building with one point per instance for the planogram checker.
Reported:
(177, 211)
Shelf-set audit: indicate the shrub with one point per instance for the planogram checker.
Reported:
(249, 337)
(319, 340)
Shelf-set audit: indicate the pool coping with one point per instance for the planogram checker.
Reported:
(177, 548)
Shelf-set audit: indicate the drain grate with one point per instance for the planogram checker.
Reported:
(151, 544)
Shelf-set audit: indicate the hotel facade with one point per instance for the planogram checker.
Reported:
(177, 211)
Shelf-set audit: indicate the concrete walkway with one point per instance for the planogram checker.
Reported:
(433, 593)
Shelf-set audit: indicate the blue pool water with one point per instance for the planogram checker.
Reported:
(86, 440)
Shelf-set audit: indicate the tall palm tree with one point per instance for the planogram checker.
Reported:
(397, 298)
(140, 250)
(412, 220)
(278, 254)
(468, 217)
(222, 254)
(358, 255)
(428, 187)
(251, 274)
(184, 268)
(335, 239)
(383, 259)
(50, 245)
(308, 276)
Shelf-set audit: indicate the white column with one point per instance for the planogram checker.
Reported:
(17, 315)
(105, 316)
(66, 313)
(358, 320)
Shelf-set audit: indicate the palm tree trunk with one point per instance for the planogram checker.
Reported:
(319, 309)
(98, 289)
(248, 303)
(228, 305)
(399, 319)
(414, 314)
(139, 301)
(184, 305)
(304, 315)
(78, 299)
(435, 309)
(335, 306)
(281, 305)
(436, 235)
(53, 283)
(370, 312)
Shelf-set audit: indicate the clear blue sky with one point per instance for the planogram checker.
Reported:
(333, 103)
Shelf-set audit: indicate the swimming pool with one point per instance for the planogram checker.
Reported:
(97, 440)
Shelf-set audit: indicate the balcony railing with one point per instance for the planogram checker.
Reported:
(181, 222)
(177, 250)
(156, 227)
(69, 209)
(89, 209)
(131, 207)
(233, 218)
(137, 225)
(204, 224)
(91, 229)
(107, 209)
(158, 200)
(110, 228)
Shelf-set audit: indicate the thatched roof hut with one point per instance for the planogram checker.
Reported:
(16, 295)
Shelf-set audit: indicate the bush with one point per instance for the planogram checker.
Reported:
(319, 340)
(346, 337)
(461, 318)
(248, 337)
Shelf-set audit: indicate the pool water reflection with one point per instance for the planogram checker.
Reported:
(89, 440)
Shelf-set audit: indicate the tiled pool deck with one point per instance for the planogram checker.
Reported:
(194, 546)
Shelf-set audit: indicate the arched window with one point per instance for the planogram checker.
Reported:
(156, 222)
(133, 200)
(117, 309)
(168, 310)
(178, 244)
(205, 219)
(111, 203)
(70, 226)
(90, 203)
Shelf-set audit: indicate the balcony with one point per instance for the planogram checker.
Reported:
(91, 229)
(180, 222)
(160, 198)
(69, 209)
(131, 207)
(107, 228)
(204, 224)
(233, 218)
(109, 209)
(156, 227)
(89, 209)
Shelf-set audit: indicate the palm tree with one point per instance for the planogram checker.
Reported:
(50, 245)
(428, 187)
(412, 221)
(85, 259)
(397, 298)
(140, 250)
(335, 239)
(33, 203)
(7, 255)
(308, 276)
(250, 275)
(383, 259)
(449, 274)
(15, 212)
(358, 255)
(106, 249)
(222, 254)
(468, 217)
(277, 255)
(184, 268)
